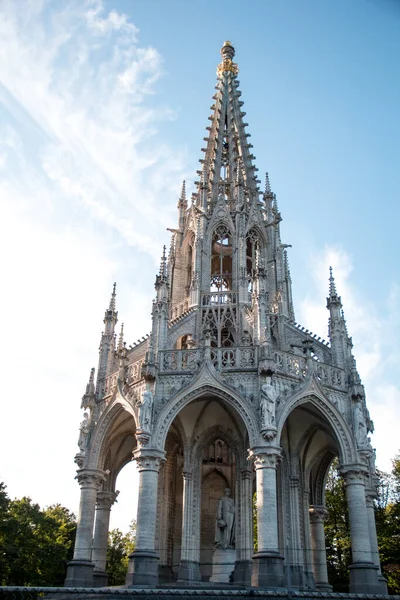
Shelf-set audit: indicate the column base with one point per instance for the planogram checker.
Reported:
(295, 578)
(189, 570)
(383, 583)
(142, 569)
(268, 570)
(100, 578)
(79, 574)
(323, 587)
(309, 580)
(242, 572)
(364, 579)
(165, 574)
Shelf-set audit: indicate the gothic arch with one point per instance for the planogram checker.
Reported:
(340, 429)
(172, 409)
(98, 446)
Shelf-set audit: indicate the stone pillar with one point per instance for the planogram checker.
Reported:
(242, 572)
(143, 562)
(308, 570)
(99, 554)
(296, 565)
(267, 562)
(318, 548)
(80, 568)
(363, 572)
(189, 569)
(370, 495)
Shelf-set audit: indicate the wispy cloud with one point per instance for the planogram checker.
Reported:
(375, 331)
(86, 187)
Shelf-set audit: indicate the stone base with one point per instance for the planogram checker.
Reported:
(242, 572)
(364, 579)
(383, 583)
(268, 570)
(100, 578)
(324, 587)
(79, 574)
(189, 570)
(295, 578)
(142, 569)
(165, 574)
(223, 565)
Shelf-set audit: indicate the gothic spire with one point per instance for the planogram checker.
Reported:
(182, 202)
(121, 338)
(227, 139)
(112, 299)
(333, 299)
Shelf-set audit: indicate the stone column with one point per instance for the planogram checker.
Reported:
(143, 562)
(318, 548)
(242, 572)
(189, 568)
(267, 562)
(363, 571)
(370, 495)
(80, 568)
(297, 575)
(99, 555)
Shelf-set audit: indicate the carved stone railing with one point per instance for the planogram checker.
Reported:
(235, 358)
(218, 298)
(296, 366)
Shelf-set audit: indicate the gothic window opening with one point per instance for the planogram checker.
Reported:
(189, 264)
(252, 257)
(221, 260)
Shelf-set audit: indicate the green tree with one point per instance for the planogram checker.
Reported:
(36, 544)
(387, 515)
(337, 531)
(120, 546)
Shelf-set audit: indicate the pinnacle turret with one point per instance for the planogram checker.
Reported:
(121, 344)
(333, 299)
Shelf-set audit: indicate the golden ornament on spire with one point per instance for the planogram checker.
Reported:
(227, 53)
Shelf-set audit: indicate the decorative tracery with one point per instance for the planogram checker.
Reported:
(221, 260)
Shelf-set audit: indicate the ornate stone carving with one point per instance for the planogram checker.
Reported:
(317, 513)
(105, 500)
(145, 405)
(83, 433)
(92, 478)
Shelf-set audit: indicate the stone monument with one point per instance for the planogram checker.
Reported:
(224, 555)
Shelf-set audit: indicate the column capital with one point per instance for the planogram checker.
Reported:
(353, 474)
(106, 499)
(317, 513)
(265, 457)
(149, 459)
(370, 496)
(90, 478)
(294, 481)
(187, 475)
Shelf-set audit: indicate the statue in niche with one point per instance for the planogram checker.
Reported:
(83, 432)
(360, 426)
(145, 405)
(225, 522)
(269, 394)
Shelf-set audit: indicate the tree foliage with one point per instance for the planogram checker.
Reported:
(337, 531)
(120, 546)
(35, 544)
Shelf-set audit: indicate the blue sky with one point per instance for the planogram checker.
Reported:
(103, 109)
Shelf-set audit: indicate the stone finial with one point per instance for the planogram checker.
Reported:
(227, 50)
(121, 338)
(267, 184)
(332, 285)
(182, 203)
(227, 53)
(112, 300)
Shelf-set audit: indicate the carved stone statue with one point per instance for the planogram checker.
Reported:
(269, 394)
(83, 432)
(225, 522)
(360, 426)
(145, 405)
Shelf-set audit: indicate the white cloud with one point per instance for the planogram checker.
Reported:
(85, 189)
(375, 331)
